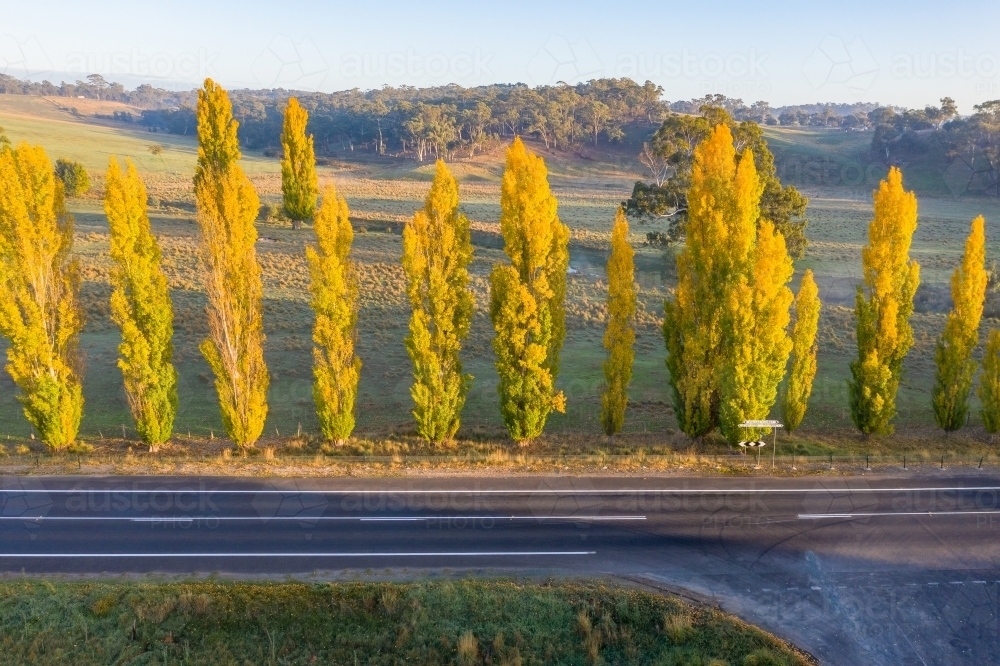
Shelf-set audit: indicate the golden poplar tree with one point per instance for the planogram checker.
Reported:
(140, 305)
(883, 307)
(757, 335)
(39, 287)
(725, 328)
(619, 337)
(218, 142)
(804, 349)
(527, 296)
(723, 209)
(227, 208)
(437, 250)
(299, 185)
(953, 356)
(989, 384)
(336, 367)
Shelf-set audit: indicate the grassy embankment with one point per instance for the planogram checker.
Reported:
(383, 194)
(467, 622)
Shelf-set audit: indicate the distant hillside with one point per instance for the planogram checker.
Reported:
(818, 144)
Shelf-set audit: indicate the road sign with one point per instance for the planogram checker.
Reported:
(761, 424)
(764, 424)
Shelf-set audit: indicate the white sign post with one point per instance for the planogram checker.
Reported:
(773, 425)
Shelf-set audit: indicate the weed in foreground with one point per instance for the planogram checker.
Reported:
(43, 622)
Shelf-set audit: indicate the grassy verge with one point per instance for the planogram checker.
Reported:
(402, 455)
(468, 622)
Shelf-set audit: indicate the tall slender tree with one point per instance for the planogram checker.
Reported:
(437, 250)
(299, 185)
(39, 286)
(227, 208)
(336, 366)
(883, 307)
(757, 335)
(989, 384)
(527, 296)
(956, 368)
(804, 350)
(140, 305)
(619, 337)
(722, 216)
(218, 142)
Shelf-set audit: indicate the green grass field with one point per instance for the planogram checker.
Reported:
(467, 623)
(383, 193)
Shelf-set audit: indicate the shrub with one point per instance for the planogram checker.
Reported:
(677, 627)
(270, 212)
(468, 648)
(73, 176)
(657, 239)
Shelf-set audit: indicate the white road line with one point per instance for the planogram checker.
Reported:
(547, 491)
(178, 555)
(154, 519)
(820, 516)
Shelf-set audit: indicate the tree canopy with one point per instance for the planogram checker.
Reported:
(669, 155)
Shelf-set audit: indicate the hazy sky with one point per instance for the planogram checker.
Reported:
(906, 53)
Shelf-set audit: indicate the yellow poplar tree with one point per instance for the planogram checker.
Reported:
(218, 143)
(955, 366)
(437, 250)
(757, 332)
(883, 307)
(723, 208)
(989, 384)
(804, 349)
(299, 185)
(227, 207)
(527, 296)
(619, 337)
(336, 367)
(39, 287)
(140, 305)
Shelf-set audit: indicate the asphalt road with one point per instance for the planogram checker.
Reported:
(856, 571)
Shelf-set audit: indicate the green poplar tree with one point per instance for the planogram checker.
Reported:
(299, 185)
(437, 250)
(527, 296)
(883, 307)
(989, 384)
(140, 305)
(334, 289)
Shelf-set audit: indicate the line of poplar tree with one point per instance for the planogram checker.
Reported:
(727, 327)
(41, 315)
